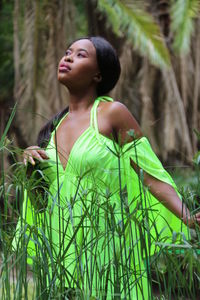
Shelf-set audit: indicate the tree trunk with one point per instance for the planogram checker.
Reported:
(46, 27)
(195, 105)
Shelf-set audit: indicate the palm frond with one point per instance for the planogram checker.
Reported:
(128, 19)
(183, 14)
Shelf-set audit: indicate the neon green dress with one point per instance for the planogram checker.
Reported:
(101, 223)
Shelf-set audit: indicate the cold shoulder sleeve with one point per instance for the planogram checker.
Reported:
(140, 151)
(162, 221)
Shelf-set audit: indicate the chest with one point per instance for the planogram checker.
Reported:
(71, 130)
(91, 155)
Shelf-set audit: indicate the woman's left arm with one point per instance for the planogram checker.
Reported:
(167, 195)
(122, 121)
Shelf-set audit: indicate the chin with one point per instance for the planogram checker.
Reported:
(63, 82)
(61, 79)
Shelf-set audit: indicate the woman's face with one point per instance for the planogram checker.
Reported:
(78, 69)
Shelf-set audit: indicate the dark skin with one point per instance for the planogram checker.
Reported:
(78, 71)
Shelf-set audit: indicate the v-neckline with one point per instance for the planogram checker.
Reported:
(78, 139)
(72, 149)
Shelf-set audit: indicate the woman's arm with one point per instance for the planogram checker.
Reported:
(167, 195)
(122, 121)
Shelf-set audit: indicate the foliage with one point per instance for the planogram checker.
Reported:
(177, 270)
(171, 268)
(3, 138)
(139, 27)
(80, 19)
(6, 50)
(174, 269)
(183, 14)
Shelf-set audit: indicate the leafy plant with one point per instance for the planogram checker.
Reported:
(128, 19)
(34, 267)
(183, 14)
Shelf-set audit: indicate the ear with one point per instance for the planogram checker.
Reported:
(97, 77)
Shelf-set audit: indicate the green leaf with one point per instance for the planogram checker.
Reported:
(196, 159)
(161, 265)
(197, 134)
(2, 141)
(183, 14)
(138, 26)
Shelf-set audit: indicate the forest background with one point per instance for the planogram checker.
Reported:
(158, 43)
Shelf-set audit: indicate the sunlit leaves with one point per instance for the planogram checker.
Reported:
(139, 27)
(183, 13)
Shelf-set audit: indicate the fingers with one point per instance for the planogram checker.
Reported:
(198, 215)
(197, 218)
(42, 153)
(34, 153)
(30, 159)
(193, 220)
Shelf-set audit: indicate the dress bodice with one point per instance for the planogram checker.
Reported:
(93, 155)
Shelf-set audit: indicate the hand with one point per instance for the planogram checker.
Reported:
(34, 152)
(191, 221)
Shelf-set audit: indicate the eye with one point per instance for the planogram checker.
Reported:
(81, 54)
(67, 52)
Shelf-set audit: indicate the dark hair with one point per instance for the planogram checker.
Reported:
(45, 132)
(109, 67)
(108, 63)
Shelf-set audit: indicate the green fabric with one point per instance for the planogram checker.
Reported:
(141, 153)
(99, 201)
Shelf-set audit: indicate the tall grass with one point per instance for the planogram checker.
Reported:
(90, 260)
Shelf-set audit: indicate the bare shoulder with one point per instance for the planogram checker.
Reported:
(112, 105)
(120, 118)
(115, 108)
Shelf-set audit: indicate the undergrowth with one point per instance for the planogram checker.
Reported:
(33, 266)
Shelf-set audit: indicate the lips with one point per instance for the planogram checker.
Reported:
(64, 68)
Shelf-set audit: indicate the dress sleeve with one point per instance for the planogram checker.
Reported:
(162, 221)
(140, 151)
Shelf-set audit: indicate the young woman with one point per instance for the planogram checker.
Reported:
(103, 223)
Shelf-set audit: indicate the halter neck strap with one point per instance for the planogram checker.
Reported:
(93, 116)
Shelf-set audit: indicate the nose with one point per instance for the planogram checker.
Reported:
(68, 58)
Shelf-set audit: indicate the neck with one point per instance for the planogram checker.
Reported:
(81, 101)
